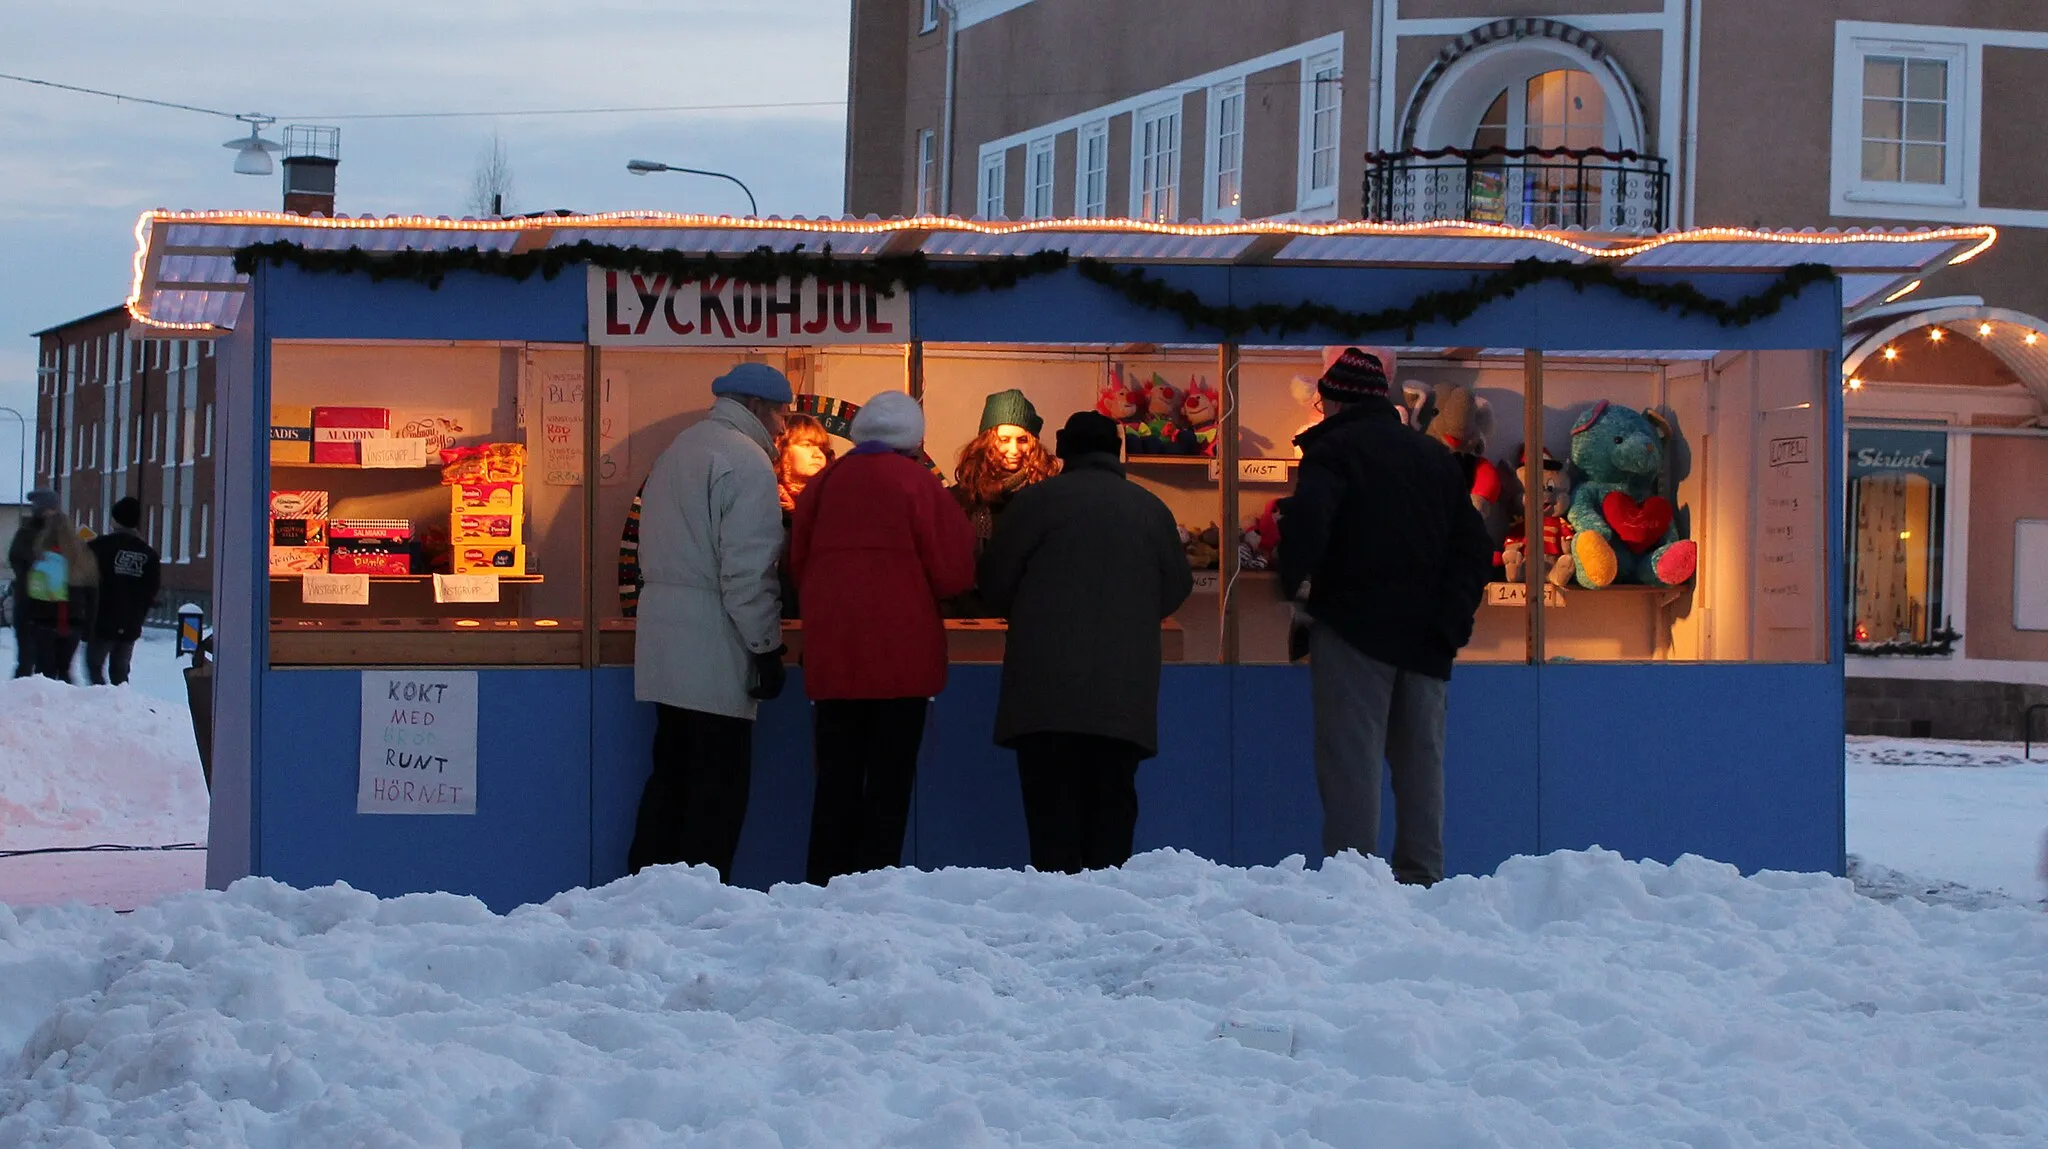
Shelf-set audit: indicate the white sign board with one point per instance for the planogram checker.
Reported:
(613, 459)
(641, 309)
(1253, 470)
(2030, 574)
(335, 589)
(465, 588)
(394, 453)
(561, 427)
(1788, 552)
(418, 750)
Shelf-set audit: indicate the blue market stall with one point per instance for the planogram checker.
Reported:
(432, 433)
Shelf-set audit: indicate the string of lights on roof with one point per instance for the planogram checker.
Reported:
(1936, 334)
(1979, 237)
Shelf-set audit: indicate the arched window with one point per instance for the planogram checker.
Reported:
(1559, 108)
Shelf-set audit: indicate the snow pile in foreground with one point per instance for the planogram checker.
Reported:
(85, 765)
(1573, 1000)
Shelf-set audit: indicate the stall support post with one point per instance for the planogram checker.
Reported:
(593, 449)
(1226, 466)
(1533, 583)
(913, 369)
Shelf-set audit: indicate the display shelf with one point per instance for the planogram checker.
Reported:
(277, 466)
(1169, 460)
(1515, 594)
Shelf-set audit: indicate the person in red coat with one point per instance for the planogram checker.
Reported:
(876, 545)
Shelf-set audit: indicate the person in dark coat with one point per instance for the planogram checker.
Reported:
(877, 545)
(129, 575)
(1381, 536)
(1085, 566)
(21, 554)
(63, 589)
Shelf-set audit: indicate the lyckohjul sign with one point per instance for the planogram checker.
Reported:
(637, 309)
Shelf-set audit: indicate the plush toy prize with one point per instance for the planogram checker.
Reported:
(1625, 529)
(1198, 418)
(1452, 415)
(1557, 530)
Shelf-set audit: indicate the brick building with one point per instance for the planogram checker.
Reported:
(119, 413)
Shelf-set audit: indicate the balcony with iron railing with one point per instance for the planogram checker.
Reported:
(1576, 189)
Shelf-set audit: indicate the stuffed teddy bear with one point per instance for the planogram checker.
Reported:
(1452, 415)
(1625, 531)
(1198, 419)
(1557, 531)
(1202, 547)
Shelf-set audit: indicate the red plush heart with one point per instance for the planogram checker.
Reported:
(1640, 526)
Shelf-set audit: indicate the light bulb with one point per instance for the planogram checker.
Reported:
(1984, 329)
(2033, 337)
(1891, 354)
(1935, 335)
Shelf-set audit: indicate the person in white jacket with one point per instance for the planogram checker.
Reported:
(709, 626)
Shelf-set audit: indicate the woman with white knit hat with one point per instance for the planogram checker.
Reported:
(876, 544)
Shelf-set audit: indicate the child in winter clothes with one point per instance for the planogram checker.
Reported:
(63, 585)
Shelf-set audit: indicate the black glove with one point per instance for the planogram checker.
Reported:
(1298, 629)
(769, 674)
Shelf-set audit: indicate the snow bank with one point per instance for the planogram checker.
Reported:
(1864, 750)
(1573, 1000)
(84, 765)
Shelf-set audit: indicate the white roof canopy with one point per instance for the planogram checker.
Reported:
(185, 277)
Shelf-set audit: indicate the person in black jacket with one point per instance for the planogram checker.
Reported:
(129, 575)
(1381, 536)
(21, 554)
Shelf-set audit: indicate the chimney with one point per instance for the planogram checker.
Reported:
(310, 156)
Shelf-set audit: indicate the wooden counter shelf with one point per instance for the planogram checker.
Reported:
(968, 641)
(527, 578)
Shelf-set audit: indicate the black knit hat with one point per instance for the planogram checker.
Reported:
(1087, 433)
(1355, 376)
(128, 512)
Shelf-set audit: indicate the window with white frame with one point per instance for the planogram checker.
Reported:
(994, 173)
(930, 20)
(156, 435)
(1900, 122)
(927, 171)
(1091, 170)
(1155, 163)
(184, 534)
(206, 434)
(1226, 151)
(1038, 180)
(1322, 92)
(205, 528)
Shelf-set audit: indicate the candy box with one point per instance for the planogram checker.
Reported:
(337, 431)
(370, 557)
(298, 532)
(298, 560)
(291, 434)
(501, 560)
(484, 463)
(480, 529)
(502, 498)
(298, 504)
(382, 530)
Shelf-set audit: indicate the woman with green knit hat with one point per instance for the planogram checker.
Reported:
(1004, 457)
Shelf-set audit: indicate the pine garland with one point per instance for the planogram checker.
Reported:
(888, 274)
(1940, 643)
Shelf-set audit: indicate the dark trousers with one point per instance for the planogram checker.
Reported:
(867, 766)
(1080, 800)
(24, 646)
(1369, 714)
(108, 660)
(51, 651)
(696, 799)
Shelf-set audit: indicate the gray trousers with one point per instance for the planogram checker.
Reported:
(1367, 712)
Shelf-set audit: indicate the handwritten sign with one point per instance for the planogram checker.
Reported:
(1517, 594)
(613, 460)
(465, 588)
(418, 750)
(1788, 509)
(1253, 470)
(394, 452)
(1206, 581)
(561, 427)
(649, 310)
(335, 589)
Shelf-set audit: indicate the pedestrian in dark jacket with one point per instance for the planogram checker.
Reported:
(63, 587)
(876, 546)
(129, 575)
(21, 553)
(1085, 565)
(1382, 535)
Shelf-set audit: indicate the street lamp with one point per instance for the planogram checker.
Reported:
(21, 466)
(642, 167)
(252, 152)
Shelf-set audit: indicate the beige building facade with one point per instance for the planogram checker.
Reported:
(1633, 116)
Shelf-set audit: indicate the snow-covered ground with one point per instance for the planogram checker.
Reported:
(1969, 814)
(1574, 1000)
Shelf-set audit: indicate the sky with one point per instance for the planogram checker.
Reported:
(76, 170)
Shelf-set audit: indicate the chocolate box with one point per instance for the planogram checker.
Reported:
(298, 532)
(490, 498)
(337, 430)
(298, 504)
(380, 530)
(500, 560)
(370, 557)
(291, 434)
(298, 560)
(482, 529)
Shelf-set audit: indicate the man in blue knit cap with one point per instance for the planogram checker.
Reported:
(709, 626)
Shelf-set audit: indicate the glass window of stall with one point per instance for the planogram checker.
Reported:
(426, 503)
(1694, 507)
(1473, 405)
